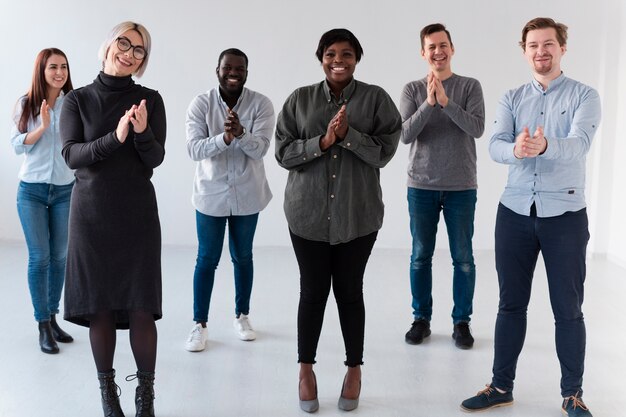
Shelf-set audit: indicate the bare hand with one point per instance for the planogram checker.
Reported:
(341, 123)
(440, 92)
(337, 126)
(44, 112)
(139, 119)
(527, 146)
(123, 125)
(430, 89)
(232, 127)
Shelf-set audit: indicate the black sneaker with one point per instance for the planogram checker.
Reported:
(463, 336)
(575, 407)
(488, 398)
(419, 330)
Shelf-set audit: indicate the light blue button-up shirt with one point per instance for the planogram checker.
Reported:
(230, 179)
(569, 112)
(43, 162)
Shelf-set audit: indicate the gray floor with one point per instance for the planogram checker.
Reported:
(234, 378)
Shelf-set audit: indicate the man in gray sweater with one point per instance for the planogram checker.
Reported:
(442, 115)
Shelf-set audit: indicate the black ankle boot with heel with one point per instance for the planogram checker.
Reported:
(144, 394)
(58, 333)
(110, 396)
(46, 339)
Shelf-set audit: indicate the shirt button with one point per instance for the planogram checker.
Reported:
(315, 154)
(534, 193)
(304, 159)
(328, 217)
(332, 196)
(334, 176)
(348, 144)
(335, 156)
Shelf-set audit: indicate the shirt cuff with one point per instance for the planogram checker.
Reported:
(220, 143)
(312, 148)
(352, 139)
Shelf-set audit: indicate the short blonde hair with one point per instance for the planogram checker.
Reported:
(116, 32)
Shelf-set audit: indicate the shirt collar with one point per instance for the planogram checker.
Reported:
(553, 84)
(346, 94)
(239, 100)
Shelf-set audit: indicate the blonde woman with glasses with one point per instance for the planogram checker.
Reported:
(113, 132)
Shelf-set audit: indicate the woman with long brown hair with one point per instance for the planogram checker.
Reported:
(43, 195)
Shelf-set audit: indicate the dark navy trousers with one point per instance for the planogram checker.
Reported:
(562, 241)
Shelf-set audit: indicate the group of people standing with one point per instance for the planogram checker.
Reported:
(332, 137)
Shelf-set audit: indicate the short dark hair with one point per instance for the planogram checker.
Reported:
(338, 35)
(543, 23)
(434, 28)
(232, 51)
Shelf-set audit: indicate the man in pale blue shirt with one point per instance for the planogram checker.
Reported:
(228, 134)
(543, 131)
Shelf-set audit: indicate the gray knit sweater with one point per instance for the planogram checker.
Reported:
(443, 149)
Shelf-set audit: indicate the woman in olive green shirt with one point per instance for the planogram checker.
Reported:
(333, 137)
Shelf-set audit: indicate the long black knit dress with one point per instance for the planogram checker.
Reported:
(114, 252)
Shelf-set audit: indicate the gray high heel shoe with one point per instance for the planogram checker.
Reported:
(347, 404)
(309, 406)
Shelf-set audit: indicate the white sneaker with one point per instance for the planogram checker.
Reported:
(198, 338)
(243, 328)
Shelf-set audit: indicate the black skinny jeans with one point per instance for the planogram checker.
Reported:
(343, 265)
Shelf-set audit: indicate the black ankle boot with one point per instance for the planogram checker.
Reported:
(58, 333)
(110, 397)
(144, 395)
(46, 340)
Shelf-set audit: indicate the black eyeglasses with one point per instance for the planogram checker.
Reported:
(124, 45)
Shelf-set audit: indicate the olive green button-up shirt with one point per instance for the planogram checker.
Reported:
(334, 195)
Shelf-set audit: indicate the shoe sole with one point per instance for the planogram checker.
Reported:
(463, 347)
(412, 342)
(197, 350)
(469, 410)
(460, 346)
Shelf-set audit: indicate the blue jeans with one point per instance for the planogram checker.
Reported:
(44, 211)
(211, 231)
(458, 212)
(562, 241)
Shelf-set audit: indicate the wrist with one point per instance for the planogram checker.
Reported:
(243, 132)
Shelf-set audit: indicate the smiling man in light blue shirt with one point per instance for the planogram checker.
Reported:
(543, 132)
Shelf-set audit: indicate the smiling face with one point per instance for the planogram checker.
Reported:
(339, 62)
(232, 74)
(438, 52)
(56, 72)
(122, 63)
(544, 53)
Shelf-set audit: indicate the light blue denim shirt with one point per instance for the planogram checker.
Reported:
(569, 112)
(43, 162)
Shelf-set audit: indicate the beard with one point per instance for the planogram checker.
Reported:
(544, 67)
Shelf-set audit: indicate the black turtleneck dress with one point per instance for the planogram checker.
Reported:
(114, 249)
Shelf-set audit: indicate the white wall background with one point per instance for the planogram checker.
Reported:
(280, 39)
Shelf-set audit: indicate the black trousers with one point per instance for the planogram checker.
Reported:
(342, 266)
